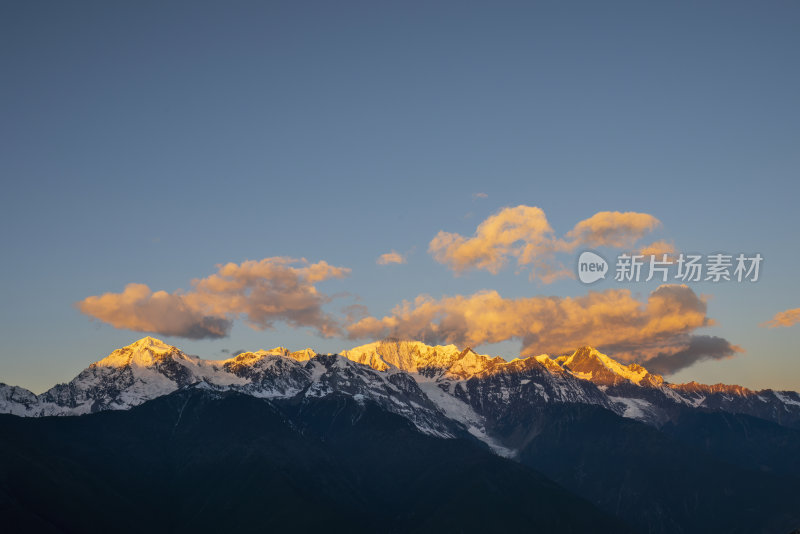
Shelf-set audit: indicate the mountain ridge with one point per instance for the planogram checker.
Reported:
(432, 385)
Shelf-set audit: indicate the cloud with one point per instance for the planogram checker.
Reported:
(391, 257)
(140, 309)
(657, 249)
(262, 292)
(612, 229)
(784, 318)
(610, 320)
(521, 232)
(699, 348)
(524, 235)
(354, 313)
(476, 196)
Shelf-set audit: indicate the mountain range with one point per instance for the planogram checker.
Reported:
(433, 386)
(630, 449)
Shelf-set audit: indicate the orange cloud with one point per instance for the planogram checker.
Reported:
(612, 229)
(657, 249)
(522, 233)
(611, 320)
(140, 309)
(785, 318)
(262, 292)
(390, 257)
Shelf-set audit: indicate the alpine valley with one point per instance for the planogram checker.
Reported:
(394, 436)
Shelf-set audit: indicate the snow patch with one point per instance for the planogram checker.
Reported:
(460, 411)
(634, 408)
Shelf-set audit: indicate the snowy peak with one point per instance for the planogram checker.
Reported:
(590, 364)
(149, 352)
(469, 363)
(706, 389)
(151, 343)
(409, 356)
(146, 352)
(16, 400)
(448, 361)
(549, 363)
(427, 360)
(302, 355)
(253, 357)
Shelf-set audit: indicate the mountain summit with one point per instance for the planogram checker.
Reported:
(417, 357)
(143, 353)
(591, 364)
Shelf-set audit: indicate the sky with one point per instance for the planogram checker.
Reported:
(290, 173)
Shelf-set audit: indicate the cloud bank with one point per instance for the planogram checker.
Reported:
(523, 235)
(261, 292)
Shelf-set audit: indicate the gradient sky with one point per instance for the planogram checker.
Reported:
(148, 142)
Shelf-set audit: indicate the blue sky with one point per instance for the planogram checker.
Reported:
(148, 142)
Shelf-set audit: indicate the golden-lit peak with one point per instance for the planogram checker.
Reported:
(144, 353)
(149, 342)
(250, 356)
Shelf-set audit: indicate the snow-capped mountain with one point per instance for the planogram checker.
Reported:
(150, 368)
(443, 390)
(492, 387)
(642, 395)
(129, 376)
(476, 390)
(589, 364)
(782, 407)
